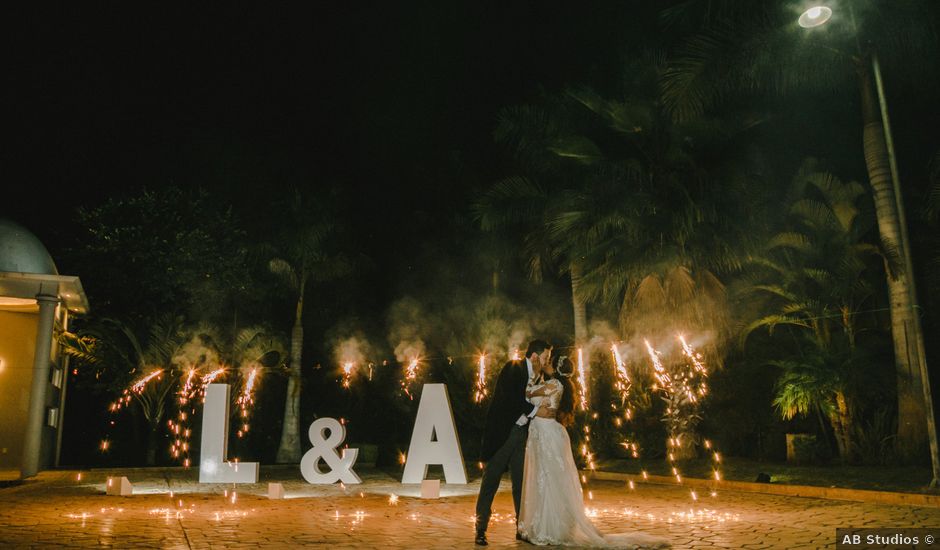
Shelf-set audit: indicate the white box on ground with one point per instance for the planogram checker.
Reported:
(431, 488)
(119, 487)
(275, 491)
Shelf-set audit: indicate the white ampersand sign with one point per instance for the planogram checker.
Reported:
(325, 448)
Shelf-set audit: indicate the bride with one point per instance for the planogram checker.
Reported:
(552, 509)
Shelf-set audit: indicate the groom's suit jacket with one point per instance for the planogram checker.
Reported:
(507, 406)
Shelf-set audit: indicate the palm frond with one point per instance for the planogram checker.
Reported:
(650, 294)
(816, 214)
(284, 269)
(527, 131)
(679, 286)
(790, 239)
(84, 348)
(512, 201)
(695, 79)
(775, 290)
(770, 322)
(576, 147)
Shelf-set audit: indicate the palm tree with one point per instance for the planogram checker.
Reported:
(816, 268)
(658, 219)
(813, 276)
(524, 205)
(254, 347)
(306, 254)
(114, 344)
(819, 382)
(742, 47)
(248, 353)
(654, 259)
(618, 197)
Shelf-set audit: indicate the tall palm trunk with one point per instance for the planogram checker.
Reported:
(912, 419)
(580, 308)
(495, 279)
(844, 426)
(289, 449)
(153, 439)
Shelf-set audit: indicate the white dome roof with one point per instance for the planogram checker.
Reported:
(22, 252)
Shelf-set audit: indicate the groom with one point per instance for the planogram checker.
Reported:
(506, 430)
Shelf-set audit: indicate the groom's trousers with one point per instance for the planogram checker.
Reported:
(511, 455)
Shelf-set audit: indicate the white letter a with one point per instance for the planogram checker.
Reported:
(435, 418)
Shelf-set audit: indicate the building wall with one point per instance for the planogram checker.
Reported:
(17, 345)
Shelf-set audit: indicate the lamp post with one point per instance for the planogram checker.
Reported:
(817, 16)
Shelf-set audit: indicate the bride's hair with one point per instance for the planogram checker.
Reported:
(564, 369)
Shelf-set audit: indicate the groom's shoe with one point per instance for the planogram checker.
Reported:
(480, 539)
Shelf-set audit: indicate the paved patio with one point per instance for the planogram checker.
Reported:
(169, 510)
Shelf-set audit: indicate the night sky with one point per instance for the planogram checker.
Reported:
(393, 102)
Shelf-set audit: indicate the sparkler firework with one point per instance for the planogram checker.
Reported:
(135, 389)
(682, 385)
(410, 376)
(210, 378)
(582, 380)
(481, 380)
(180, 431)
(246, 399)
(586, 451)
(623, 384)
(183, 385)
(347, 374)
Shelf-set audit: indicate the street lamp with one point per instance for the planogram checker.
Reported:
(817, 16)
(814, 17)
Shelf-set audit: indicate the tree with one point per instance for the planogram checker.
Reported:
(819, 381)
(740, 48)
(814, 276)
(660, 214)
(523, 204)
(623, 200)
(306, 252)
(247, 354)
(160, 251)
(143, 371)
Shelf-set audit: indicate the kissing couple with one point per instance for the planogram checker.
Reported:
(524, 435)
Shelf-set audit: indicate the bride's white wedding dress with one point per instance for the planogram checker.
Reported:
(552, 500)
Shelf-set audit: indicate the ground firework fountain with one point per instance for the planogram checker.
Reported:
(623, 410)
(347, 374)
(246, 400)
(682, 385)
(410, 377)
(480, 391)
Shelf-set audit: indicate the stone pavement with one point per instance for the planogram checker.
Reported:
(169, 510)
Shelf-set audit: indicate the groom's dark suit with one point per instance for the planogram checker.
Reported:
(503, 439)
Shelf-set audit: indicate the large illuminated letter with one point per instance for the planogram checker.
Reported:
(213, 466)
(434, 439)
